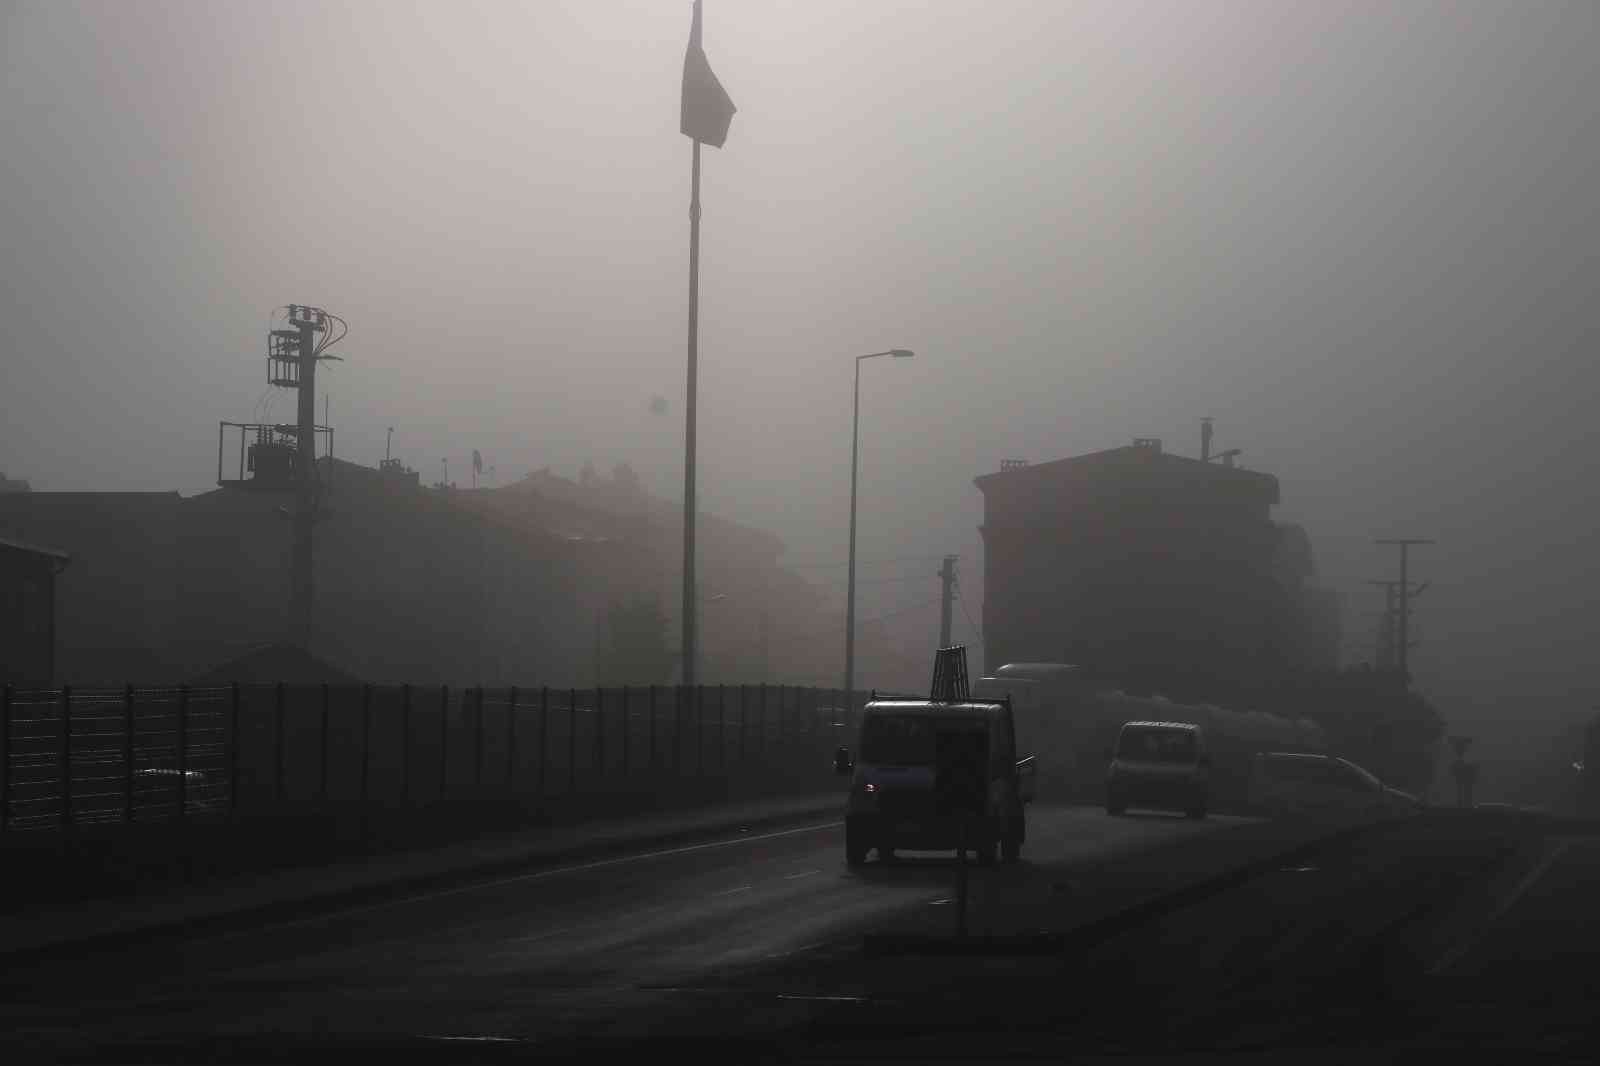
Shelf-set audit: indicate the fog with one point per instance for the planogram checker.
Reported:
(1361, 236)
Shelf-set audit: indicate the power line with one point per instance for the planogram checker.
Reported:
(976, 628)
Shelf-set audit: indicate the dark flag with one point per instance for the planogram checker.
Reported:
(707, 110)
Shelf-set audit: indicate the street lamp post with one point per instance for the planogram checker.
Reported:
(850, 607)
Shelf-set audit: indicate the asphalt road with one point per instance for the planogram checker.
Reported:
(546, 956)
(1462, 933)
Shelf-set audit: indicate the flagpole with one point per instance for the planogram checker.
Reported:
(689, 642)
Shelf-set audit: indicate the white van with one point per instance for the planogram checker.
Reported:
(1160, 765)
(892, 802)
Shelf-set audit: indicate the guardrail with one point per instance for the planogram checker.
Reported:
(73, 757)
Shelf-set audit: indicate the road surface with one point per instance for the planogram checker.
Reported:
(1453, 932)
(552, 953)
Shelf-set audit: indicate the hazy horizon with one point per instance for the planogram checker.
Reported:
(1359, 236)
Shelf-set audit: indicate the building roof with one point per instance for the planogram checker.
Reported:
(7, 544)
(624, 498)
(268, 663)
(1131, 459)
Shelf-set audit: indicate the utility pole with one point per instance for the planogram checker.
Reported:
(305, 511)
(292, 356)
(947, 574)
(1384, 658)
(1406, 594)
(766, 641)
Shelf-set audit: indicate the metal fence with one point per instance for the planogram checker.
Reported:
(72, 757)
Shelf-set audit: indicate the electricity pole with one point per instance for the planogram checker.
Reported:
(305, 510)
(947, 574)
(1383, 658)
(1405, 594)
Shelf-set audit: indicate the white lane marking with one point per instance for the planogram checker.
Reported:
(475, 1039)
(802, 873)
(1468, 942)
(538, 875)
(731, 891)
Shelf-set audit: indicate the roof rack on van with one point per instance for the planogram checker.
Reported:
(988, 701)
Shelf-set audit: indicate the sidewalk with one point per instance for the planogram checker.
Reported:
(279, 894)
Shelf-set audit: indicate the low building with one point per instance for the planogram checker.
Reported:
(28, 612)
(115, 617)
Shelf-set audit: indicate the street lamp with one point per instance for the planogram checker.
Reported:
(850, 608)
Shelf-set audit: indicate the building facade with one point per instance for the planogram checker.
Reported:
(28, 613)
(1133, 559)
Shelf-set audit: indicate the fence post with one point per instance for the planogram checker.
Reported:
(277, 772)
(679, 730)
(627, 728)
(444, 738)
(652, 713)
(366, 747)
(322, 782)
(477, 750)
(65, 756)
(5, 757)
(405, 745)
(233, 745)
(722, 728)
(183, 752)
(698, 702)
(544, 735)
(744, 718)
(599, 734)
(511, 742)
(761, 721)
(127, 753)
(572, 743)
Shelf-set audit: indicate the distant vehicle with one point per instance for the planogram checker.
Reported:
(1160, 765)
(1031, 707)
(1304, 783)
(893, 802)
(1075, 719)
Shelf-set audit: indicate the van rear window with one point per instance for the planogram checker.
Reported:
(906, 739)
(1157, 745)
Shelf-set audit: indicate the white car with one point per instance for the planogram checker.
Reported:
(1301, 783)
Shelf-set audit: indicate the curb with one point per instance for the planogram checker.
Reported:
(332, 900)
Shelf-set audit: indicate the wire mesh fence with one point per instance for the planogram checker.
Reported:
(78, 757)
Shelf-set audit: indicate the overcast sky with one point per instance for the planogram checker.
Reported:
(1363, 236)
